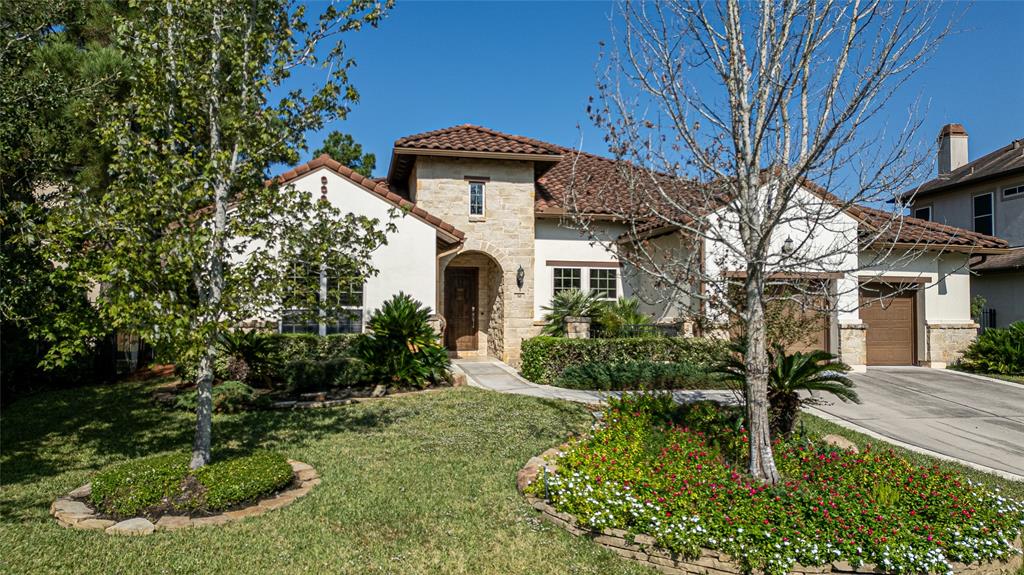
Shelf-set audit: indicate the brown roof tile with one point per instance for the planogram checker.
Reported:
(1012, 261)
(377, 186)
(470, 138)
(1005, 160)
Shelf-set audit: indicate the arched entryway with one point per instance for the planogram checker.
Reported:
(473, 304)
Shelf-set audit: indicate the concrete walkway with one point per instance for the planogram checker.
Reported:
(492, 374)
(975, 420)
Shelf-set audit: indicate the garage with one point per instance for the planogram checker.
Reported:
(889, 312)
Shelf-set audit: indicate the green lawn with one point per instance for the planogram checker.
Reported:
(422, 484)
(1011, 378)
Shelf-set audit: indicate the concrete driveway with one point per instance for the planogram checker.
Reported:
(979, 421)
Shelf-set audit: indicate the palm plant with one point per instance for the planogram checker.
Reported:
(569, 303)
(790, 374)
(250, 356)
(622, 318)
(401, 347)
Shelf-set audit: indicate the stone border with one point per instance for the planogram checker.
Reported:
(644, 550)
(71, 511)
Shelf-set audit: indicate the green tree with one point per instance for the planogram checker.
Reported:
(343, 148)
(58, 73)
(190, 239)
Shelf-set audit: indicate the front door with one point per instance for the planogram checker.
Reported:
(461, 297)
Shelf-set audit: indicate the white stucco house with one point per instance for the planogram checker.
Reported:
(485, 242)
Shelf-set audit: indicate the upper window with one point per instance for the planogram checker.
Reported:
(603, 283)
(1014, 192)
(983, 220)
(476, 198)
(568, 279)
(924, 213)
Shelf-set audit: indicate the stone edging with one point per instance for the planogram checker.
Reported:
(644, 550)
(70, 511)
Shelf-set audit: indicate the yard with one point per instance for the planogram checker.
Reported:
(417, 484)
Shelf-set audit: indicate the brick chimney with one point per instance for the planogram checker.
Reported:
(952, 148)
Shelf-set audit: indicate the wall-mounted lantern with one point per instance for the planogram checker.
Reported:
(520, 276)
(787, 246)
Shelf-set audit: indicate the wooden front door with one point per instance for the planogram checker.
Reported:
(889, 315)
(461, 297)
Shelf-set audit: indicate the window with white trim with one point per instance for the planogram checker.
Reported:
(604, 283)
(923, 213)
(568, 279)
(476, 198)
(315, 291)
(984, 221)
(1014, 192)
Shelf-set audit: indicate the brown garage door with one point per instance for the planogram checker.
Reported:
(889, 315)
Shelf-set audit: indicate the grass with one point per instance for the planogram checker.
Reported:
(418, 484)
(1011, 378)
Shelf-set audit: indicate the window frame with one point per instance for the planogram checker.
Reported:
(483, 198)
(614, 283)
(1018, 192)
(929, 208)
(991, 214)
(555, 289)
(321, 324)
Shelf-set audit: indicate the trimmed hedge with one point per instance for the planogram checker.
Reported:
(164, 483)
(638, 375)
(544, 358)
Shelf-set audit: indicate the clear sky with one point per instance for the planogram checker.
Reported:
(528, 68)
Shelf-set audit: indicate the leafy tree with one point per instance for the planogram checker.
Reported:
(58, 72)
(343, 148)
(189, 238)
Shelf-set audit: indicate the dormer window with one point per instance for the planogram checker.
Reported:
(476, 198)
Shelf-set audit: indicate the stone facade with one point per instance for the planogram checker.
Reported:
(505, 233)
(946, 342)
(853, 345)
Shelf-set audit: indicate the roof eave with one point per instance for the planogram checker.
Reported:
(932, 247)
(404, 150)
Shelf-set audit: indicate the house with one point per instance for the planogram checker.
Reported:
(985, 195)
(485, 241)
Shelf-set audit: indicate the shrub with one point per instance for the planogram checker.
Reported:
(638, 375)
(790, 374)
(228, 397)
(303, 375)
(402, 349)
(164, 483)
(241, 479)
(662, 475)
(544, 358)
(623, 318)
(569, 303)
(249, 356)
(997, 350)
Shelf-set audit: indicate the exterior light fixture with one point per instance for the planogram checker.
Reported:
(787, 246)
(520, 276)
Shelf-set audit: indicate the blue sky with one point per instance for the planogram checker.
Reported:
(528, 68)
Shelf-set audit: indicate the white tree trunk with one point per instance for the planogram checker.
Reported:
(762, 461)
(204, 409)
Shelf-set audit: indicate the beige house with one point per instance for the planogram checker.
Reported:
(985, 195)
(486, 243)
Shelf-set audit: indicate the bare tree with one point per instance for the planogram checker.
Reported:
(724, 113)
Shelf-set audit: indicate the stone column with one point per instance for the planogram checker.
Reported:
(853, 345)
(577, 327)
(946, 342)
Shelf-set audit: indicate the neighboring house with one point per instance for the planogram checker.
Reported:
(987, 196)
(486, 243)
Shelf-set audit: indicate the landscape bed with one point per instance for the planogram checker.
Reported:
(669, 475)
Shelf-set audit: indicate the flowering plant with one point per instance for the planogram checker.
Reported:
(671, 472)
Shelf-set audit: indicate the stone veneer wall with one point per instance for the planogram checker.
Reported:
(505, 233)
(643, 548)
(946, 342)
(853, 345)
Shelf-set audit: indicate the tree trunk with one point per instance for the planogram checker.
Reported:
(762, 462)
(204, 409)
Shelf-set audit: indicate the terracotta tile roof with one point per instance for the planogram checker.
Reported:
(882, 227)
(1005, 160)
(1012, 261)
(374, 185)
(470, 138)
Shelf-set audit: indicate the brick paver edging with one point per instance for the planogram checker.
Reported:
(73, 510)
(643, 548)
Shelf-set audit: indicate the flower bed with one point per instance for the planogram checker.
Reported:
(649, 472)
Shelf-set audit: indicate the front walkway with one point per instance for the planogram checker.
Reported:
(490, 373)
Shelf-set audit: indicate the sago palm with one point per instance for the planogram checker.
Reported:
(569, 303)
(788, 375)
(621, 319)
